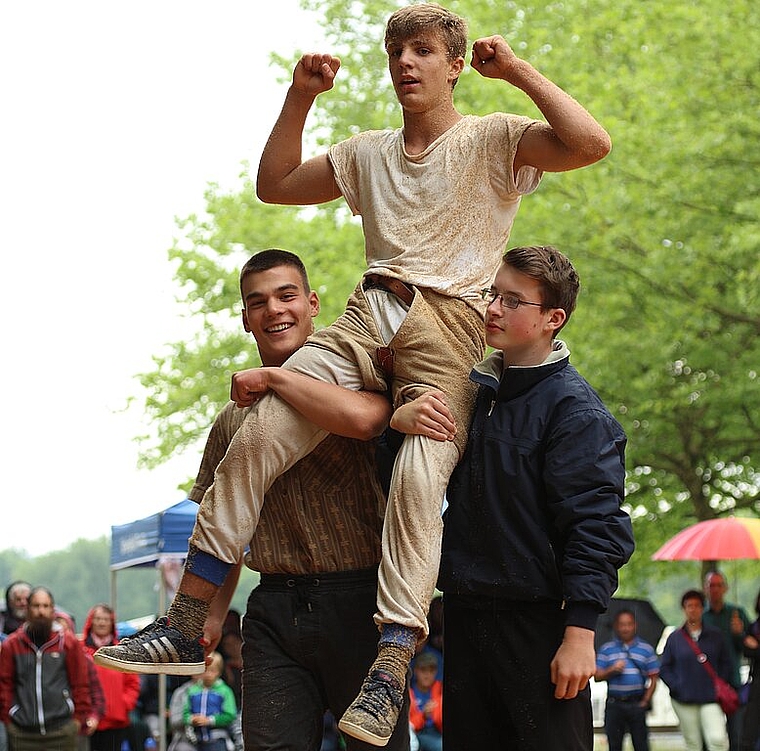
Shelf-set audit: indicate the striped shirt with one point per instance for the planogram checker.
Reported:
(640, 663)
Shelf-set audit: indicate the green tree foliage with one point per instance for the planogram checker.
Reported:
(664, 233)
(78, 577)
(191, 379)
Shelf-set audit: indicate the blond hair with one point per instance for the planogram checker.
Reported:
(406, 22)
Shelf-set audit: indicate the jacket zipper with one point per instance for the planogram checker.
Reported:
(38, 692)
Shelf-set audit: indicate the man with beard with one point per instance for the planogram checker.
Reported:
(37, 687)
(16, 606)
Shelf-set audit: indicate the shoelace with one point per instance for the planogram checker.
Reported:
(379, 690)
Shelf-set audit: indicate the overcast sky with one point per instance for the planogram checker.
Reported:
(115, 116)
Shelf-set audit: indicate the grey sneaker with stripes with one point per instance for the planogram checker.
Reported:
(158, 648)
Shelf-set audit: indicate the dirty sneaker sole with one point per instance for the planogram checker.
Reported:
(148, 668)
(131, 664)
(358, 732)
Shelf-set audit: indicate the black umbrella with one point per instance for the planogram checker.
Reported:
(649, 623)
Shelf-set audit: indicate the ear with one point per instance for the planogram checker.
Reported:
(556, 319)
(455, 68)
(314, 303)
(246, 327)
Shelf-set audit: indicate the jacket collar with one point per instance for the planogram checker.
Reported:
(512, 380)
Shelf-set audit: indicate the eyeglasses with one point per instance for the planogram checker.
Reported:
(506, 299)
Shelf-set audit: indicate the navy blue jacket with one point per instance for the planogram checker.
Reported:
(534, 509)
(682, 672)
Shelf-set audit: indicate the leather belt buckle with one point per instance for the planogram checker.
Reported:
(395, 286)
(385, 358)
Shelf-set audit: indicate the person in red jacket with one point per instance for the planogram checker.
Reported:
(426, 707)
(121, 689)
(44, 699)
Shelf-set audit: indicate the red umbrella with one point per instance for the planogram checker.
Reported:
(726, 539)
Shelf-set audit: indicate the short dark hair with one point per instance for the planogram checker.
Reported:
(552, 270)
(624, 611)
(270, 259)
(692, 594)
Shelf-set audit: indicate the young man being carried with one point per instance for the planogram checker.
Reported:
(437, 200)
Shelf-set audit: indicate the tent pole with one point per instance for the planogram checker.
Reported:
(161, 677)
(113, 590)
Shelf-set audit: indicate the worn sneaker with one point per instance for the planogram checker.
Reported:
(372, 715)
(158, 648)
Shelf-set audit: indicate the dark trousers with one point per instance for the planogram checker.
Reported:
(750, 733)
(497, 684)
(429, 739)
(219, 744)
(734, 729)
(108, 740)
(626, 716)
(308, 643)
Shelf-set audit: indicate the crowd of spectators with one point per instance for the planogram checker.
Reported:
(112, 711)
(122, 710)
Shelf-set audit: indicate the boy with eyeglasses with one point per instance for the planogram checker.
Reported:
(534, 532)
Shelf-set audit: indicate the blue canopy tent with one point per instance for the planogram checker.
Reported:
(145, 542)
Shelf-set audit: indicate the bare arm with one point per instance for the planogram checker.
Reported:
(574, 663)
(353, 414)
(283, 177)
(649, 692)
(603, 674)
(571, 138)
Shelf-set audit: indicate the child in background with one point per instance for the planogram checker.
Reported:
(210, 709)
(426, 708)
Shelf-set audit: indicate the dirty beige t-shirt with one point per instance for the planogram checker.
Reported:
(440, 219)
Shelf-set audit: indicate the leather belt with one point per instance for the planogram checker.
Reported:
(323, 579)
(635, 697)
(404, 292)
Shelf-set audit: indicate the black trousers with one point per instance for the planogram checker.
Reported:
(497, 687)
(750, 731)
(308, 643)
(621, 717)
(108, 740)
